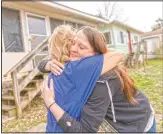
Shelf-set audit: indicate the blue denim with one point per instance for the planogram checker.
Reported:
(153, 128)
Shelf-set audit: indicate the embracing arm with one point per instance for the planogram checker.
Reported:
(43, 66)
(92, 114)
(111, 59)
(50, 65)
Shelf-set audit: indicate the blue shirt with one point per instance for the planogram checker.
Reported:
(73, 87)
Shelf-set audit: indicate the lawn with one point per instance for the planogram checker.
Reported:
(151, 83)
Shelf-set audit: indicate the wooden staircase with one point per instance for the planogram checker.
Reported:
(17, 93)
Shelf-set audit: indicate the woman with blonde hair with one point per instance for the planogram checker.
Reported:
(59, 43)
(84, 104)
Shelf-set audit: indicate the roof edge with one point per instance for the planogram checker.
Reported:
(74, 11)
(121, 23)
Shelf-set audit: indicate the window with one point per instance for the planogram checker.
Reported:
(11, 31)
(54, 23)
(36, 29)
(136, 39)
(108, 37)
(36, 25)
(120, 37)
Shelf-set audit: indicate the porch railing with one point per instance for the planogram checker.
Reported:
(18, 87)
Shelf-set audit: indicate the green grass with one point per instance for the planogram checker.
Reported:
(155, 62)
(151, 84)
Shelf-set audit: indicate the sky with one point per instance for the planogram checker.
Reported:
(140, 15)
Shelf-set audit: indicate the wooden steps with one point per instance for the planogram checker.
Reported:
(8, 110)
(8, 82)
(8, 107)
(8, 97)
(29, 89)
(26, 96)
(26, 86)
(32, 94)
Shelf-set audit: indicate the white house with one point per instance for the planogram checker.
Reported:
(154, 40)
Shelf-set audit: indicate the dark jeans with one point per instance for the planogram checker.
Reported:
(153, 128)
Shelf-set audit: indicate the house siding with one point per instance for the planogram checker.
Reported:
(118, 45)
(152, 45)
(115, 43)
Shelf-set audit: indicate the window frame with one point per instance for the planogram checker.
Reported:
(51, 30)
(119, 36)
(110, 37)
(136, 37)
(35, 15)
(27, 27)
(21, 30)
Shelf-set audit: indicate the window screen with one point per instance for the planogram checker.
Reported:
(54, 23)
(36, 25)
(11, 30)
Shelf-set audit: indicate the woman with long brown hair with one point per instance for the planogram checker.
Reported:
(115, 98)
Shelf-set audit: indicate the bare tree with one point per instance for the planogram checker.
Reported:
(111, 11)
(159, 22)
(157, 25)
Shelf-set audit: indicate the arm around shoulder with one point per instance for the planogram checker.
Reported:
(42, 66)
(111, 59)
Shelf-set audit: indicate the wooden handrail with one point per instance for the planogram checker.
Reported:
(19, 86)
(16, 93)
(28, 57)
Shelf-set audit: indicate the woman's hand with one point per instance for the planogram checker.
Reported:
(54, 66)
(48, 93)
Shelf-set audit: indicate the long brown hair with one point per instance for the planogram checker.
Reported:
(98, 43)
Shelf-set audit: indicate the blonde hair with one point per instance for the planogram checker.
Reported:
(60, 41)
